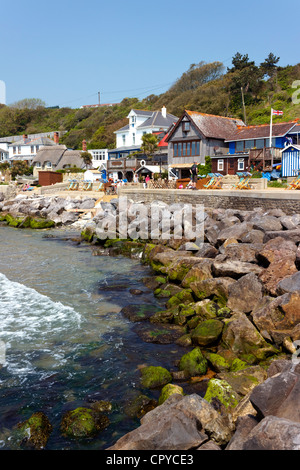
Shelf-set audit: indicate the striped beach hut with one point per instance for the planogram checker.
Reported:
(290, 160)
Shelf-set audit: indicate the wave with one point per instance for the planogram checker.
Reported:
(30, 322)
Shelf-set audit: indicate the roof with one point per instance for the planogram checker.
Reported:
(125, 128)
(152, 168)
(50, 154)
(296, 129)
(210, 125)
(158, 120)
(279, 129)
(36, 141)
(181, 165)
(72, 158)
(297, 147)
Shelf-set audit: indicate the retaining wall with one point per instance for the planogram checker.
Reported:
(288, 201)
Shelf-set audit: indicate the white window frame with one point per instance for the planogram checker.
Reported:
(221, 164)
(38, 165)
(241, 164)
(48, 165)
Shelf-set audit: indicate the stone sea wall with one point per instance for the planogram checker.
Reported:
(287, 201)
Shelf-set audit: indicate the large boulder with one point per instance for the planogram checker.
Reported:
(222, 266)
(279, 396)
(279, 317)
(207, 332)
(217, 289)
(180, 423)
(289, 284)
(245, 294)
(244, 340)
(272, 433)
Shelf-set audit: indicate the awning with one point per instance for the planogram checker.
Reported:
(151, 168)
(182, 165)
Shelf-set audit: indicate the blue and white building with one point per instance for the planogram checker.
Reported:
(290, 160)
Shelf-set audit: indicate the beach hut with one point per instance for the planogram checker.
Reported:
(92, 175)
(290, 160)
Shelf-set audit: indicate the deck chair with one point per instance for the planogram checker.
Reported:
(71, 184)
(216, 184)
(295, 183)
(211, 181)
(101, 187)
(75, 186)
(246, 183)
(241, 179)
(87, 186)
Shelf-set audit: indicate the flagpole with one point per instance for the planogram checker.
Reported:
(271, 122)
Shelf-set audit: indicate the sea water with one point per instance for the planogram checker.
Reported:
(64, 341)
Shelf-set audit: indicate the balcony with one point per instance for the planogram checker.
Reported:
(264, 159)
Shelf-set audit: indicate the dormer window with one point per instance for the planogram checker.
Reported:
(133, 121)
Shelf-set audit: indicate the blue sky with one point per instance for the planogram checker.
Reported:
(65, 52)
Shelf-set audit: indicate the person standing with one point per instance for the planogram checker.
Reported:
(194, 174)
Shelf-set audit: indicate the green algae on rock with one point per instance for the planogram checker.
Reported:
(223, 392)
(193, 363)
(35, 431)
(155, 377)
(207, 332)
(83, 422)
(168, 390)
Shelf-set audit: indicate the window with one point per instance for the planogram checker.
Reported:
(220, 165)
(241, 164)
(14, 150)
(124, 139)
(133, 138)
(48, 165)
(260, 143)
(19, 149)
(38, 165)
(37, 148)
(186, 126)
(249, 144)
(32, 149)
(186, 149)
(239, 146)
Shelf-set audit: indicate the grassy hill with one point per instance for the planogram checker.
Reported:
(207, 88)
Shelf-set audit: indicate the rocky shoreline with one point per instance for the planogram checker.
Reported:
(233, 303)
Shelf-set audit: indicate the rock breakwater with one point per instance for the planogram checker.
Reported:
(233, 303)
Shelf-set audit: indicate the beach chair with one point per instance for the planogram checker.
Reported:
(217, 183)
(211, 181)
(75, 185)
(246, 183)
(87, 185)
(241, 179)
(71, 184)
(295, 183)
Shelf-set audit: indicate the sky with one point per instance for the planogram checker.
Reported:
(66, 52)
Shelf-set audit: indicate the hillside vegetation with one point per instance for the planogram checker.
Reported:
(245, 90)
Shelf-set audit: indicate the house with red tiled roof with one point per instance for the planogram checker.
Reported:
(197, 135)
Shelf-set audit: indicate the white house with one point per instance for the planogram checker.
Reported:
(26, 148)
(4, 152)
(100, 157)
(129, 137)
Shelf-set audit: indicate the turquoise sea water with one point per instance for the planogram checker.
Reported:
(63, 339)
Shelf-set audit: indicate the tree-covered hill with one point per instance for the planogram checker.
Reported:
(245, 90)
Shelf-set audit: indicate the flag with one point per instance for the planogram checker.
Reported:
(277, 113)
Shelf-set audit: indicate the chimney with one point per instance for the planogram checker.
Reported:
(164, 111)
(84, 145)
(25, 137)
(56, 138)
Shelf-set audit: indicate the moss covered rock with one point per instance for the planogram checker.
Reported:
(221, 391)
(155, 377)
(138, 406)
(168, 390)
(35, 431)
(207, 332)
(83, 422)
(193, 363)
(183, 297)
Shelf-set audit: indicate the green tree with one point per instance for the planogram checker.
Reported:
(149, 144)
(29, 103)
(269, 66)
(87, 158)
(20, 168)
